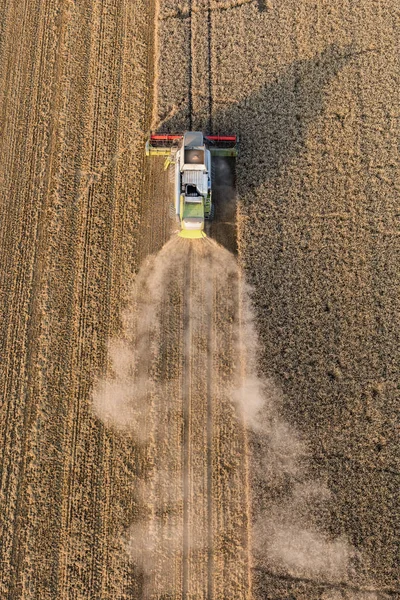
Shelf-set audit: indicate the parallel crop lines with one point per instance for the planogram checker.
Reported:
(200, 78)
(22, 403)
(57, 499)
(52, 100)
(210, 298)
(73, 430)
(186, 409)
(311, 90)
(91, 508)
(198, 470)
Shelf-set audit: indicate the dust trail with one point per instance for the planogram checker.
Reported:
(166, 387)
(181, 376)
(123, 399)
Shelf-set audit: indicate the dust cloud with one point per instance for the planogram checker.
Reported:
(123, 399)
(140, 397)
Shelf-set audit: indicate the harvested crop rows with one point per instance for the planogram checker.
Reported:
(77, 99)
(91, 510)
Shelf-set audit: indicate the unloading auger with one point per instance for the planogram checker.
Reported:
(190, 154)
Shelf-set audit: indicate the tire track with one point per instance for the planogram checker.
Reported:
(18, 301)
(102, 494)
(210, 69)
(94, 507)
(200, 104)
(210, 299)
(209, 312)
(186, 408)
(33, 401)
(170, 433)
(109, 116)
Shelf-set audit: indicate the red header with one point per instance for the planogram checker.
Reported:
(166, 137)
(221, 138)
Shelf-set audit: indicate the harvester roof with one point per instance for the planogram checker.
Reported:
(193, 139)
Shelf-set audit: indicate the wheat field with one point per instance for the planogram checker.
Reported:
(205, 498)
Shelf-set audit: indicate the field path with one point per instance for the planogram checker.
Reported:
(187, 410)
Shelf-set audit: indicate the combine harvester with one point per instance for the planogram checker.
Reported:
(191, 156)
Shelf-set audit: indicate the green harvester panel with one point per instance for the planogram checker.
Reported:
(156, 151)
(233, 152)
(193, 210)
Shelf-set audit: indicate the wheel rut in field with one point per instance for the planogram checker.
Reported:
(210, 366)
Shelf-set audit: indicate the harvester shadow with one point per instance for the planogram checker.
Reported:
(272, 125)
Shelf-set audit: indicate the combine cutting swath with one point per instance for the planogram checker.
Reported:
(191, 156)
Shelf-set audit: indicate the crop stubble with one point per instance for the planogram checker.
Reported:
(76, 225)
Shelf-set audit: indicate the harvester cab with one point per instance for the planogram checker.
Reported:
(190, 155)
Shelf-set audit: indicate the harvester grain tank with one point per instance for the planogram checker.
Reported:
(190, 156)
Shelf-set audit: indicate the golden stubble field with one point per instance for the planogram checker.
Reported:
(312, 89)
